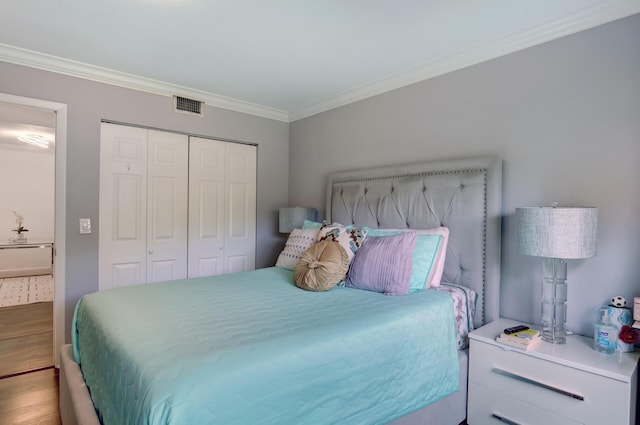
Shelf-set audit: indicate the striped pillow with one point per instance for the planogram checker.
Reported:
(383, 264)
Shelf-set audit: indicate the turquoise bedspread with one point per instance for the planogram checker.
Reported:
(251, 348)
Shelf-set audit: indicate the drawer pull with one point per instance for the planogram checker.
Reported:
(504, 420)
(540, 384)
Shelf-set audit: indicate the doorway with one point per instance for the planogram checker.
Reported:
(55, 239)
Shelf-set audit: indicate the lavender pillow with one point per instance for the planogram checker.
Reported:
(383, 264)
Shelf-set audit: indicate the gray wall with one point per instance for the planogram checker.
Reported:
(563, 116)
(88, 102)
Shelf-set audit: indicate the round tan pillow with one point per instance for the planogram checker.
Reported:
(322, 266)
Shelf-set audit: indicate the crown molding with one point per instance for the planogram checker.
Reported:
(589, 17)
(584, 19)
(72, 68)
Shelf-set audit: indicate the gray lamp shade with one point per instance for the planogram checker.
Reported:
(293, 218)
(557, 232)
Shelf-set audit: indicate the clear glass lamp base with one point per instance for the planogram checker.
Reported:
(554, 300)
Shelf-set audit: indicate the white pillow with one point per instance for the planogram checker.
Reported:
(298, 242)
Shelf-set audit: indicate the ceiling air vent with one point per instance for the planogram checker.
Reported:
(187, 106)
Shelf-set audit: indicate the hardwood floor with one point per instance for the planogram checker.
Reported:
(26, 338)
(26, 319)
(30, 399)
(26, 344)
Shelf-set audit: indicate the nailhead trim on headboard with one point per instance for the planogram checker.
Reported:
(434, 191)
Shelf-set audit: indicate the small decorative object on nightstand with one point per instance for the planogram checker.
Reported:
(606, 333)
(548, 384)
(524, 339)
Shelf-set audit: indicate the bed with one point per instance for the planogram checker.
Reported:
(284, 355)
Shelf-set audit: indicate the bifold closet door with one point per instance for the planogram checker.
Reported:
(143, 206)
(222, 207)
(240, 208)
(167, 202)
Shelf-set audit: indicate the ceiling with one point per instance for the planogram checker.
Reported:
(282, 59)
(20, 121)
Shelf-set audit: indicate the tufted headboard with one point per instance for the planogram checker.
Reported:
(464, 195)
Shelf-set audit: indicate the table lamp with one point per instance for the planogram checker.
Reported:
(294, 217)
(557, 234)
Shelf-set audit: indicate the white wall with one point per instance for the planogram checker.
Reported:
(27, 187)
(564, 117)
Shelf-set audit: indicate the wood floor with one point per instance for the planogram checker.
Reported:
(26, 338)
(30, 399)
(26, 344)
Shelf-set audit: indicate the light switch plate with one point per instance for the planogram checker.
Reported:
(85, 226)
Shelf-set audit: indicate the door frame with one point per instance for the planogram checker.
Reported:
(60, 109)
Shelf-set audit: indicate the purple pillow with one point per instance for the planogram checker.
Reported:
(383, 264)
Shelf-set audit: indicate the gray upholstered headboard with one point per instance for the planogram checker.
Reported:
(463, 195)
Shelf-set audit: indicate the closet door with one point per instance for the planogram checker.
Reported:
(123, 206)
(240, 203)
(222, 207)
(167, 189)
(206, 207)
(143, 206)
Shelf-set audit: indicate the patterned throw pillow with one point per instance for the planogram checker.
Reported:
(299, 241)
(350, 237)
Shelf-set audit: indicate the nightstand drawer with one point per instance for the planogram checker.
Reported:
(565, 391)
(489, 407)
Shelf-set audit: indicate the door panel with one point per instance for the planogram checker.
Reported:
(209, 217)
(123, 189)
(240, 195)
(237, 263)
(238, 213)
(162, 209)
(126, 274)
(168, 162)
(206, 206)
(162, 270)
(127, 192)
(210, 266)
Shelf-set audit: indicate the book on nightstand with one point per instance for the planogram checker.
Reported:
(522, 339)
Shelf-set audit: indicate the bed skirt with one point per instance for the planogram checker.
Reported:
(76, 407)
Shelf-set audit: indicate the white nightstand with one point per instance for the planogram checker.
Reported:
(549, 384)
